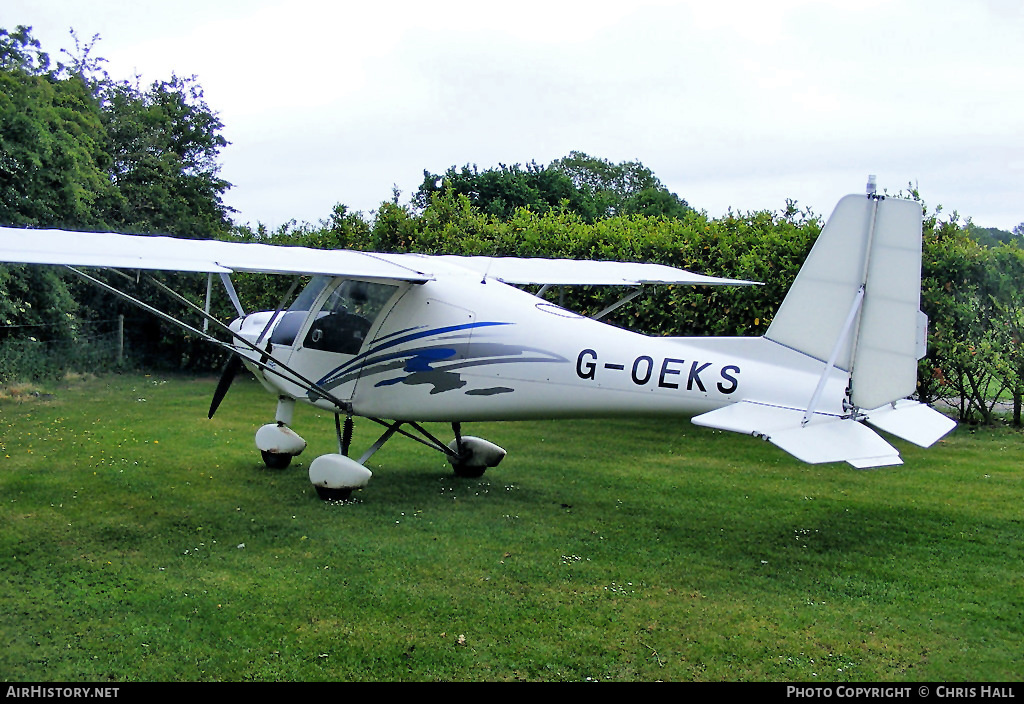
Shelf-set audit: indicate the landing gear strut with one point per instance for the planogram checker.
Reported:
(335, 476)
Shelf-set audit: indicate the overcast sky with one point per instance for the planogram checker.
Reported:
(732, 103)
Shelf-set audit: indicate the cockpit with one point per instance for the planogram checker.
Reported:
(346, 310)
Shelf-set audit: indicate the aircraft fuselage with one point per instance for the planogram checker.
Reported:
(465, 349)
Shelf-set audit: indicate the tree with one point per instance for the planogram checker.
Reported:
(53, 159)
(1008, 305)
(969, 294)
(590, 187)
(81, 151)
(500, 192)
(53, 173)
(627, 188)
(164, 144)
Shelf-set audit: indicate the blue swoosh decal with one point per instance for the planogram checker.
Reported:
(350, 364)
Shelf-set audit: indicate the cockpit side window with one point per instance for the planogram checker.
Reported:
(345, 319)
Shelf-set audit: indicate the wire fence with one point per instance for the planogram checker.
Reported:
(27, 355)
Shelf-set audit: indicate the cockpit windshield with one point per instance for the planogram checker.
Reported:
(288, 327)
(305, 300)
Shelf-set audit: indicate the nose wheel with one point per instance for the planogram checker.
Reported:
(277, 444)
(276, 460)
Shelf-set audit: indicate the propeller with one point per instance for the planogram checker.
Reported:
(234, 363)
(231, 369)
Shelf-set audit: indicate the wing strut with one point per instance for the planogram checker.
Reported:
(264, 355)
(232, 293)
(209, 299)
(618, 304)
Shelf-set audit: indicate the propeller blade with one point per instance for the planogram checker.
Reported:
(227, 376)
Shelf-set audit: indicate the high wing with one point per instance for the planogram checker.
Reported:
(569, 272)
(103, 249)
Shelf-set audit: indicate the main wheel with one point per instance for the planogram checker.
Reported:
(276, 460)
(468, 471)
(333, 494)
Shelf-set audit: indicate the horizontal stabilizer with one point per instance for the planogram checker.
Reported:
(911, 421)
(837, 440)
(823, 439)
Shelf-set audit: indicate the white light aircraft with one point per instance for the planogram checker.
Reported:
(404, 339)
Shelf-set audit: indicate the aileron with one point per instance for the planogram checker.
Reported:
(570, 272)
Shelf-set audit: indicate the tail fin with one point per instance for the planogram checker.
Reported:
(856, 300)
(854, 306)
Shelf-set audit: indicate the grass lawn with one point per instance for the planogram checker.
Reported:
(143, 542)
